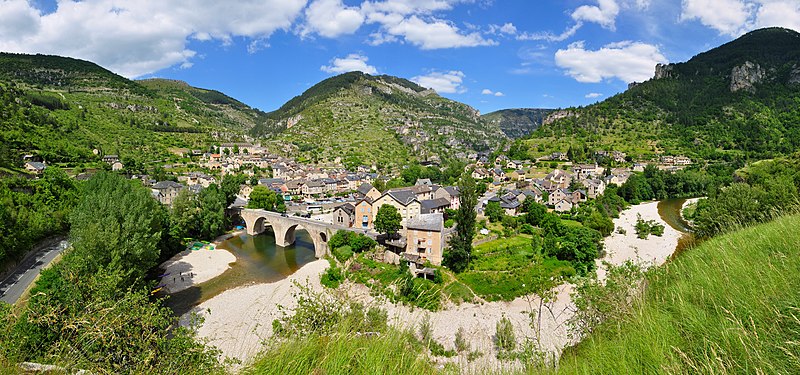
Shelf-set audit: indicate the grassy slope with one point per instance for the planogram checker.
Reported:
(729, 306)
(393, 352)
(384, 120)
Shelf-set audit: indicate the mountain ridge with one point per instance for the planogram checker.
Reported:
(376, 120)
(735, 101)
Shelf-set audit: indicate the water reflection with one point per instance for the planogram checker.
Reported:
(258, 260)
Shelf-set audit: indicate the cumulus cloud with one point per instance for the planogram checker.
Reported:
(352, 63)
(330, 18)
(593, 95)
(490, 92)
(434, 34)
(136, 38)
(735, 17)
(627, 61)
(443, 82)
(779, 13)
(726, 16)
(604, 13)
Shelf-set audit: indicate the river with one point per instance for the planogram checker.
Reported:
(258, 260)
(670, 212)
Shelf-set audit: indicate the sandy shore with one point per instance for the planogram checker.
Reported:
(653, 251)
(189, 268)
(239, 320)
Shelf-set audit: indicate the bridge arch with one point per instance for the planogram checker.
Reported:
(284, 227)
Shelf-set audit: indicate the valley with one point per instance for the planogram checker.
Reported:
(370, 224)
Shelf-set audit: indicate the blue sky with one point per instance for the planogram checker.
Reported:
(490, 54)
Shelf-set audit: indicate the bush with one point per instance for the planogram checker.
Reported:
(461, 343)
(343, 253)
(646, 228)
(449, 223)
(332, 277)
(504, 337)
(356, 241)
(527, 229)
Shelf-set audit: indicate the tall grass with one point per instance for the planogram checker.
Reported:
(729, 306)
(391, 352)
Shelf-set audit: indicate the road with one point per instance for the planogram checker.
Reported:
(15, 284)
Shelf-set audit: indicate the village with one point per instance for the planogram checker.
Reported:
(349, 198)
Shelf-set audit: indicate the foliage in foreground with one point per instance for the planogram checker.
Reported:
(328, 335)
(728, 306)
(93, 309)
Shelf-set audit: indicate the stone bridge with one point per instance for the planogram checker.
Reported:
(285, 226)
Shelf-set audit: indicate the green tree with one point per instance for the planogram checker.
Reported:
(230, 186)
(494, 212)
(387, 220)
(211, 218)
(264, 198)
(534, 211)
(116, 225)
(459, 254)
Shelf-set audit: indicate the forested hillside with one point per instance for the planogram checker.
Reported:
(389, 121)
(61, 109)
(738, 101)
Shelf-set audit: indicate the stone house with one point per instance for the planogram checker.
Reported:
(405, 201)
(363, 213)
(425, 237)
(594, 187)
(368, 191)
(166, 191)
(559, 195)
(563, 206)
(344, 215)
(313, 188)
(35, 167)
(450, 193)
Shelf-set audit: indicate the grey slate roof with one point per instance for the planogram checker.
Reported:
(429, 222)
(405, 197)
(347, 207)
(163, 185)
(37, 165)
(364, 188)
(431, 204)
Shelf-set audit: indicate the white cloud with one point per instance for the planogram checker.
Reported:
(330, 18)
(18, 19)
(490, 92)
(605, 13)
(508, 29)
(138, 37)
(431, 34)
(627, 61)
(779, 13)
(593, 95)
(726, 16)
(352, 63)
(443, 82)
(550, 37)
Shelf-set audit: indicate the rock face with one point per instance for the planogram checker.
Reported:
(664, 71)
(746, 76)
(794, 76)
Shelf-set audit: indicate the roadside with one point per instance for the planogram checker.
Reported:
(18, 281)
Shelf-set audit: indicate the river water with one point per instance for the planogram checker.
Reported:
(258, 260)
(670, 212)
